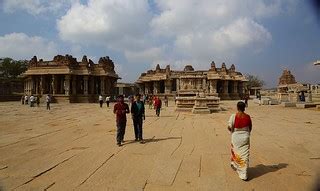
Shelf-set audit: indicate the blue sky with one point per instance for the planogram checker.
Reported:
(260, 37)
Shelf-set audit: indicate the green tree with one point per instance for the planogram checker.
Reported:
(254, 81)
(11, 69)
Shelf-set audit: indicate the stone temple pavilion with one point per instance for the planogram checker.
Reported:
(220, 82)
(68, 80)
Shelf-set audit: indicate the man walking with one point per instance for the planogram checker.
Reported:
(121, 109)
(32, 100)
(138, 115)
(48, 101)
(100, 100)
(108, 100)
(157, 105)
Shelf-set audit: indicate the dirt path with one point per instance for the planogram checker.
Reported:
(73, 147)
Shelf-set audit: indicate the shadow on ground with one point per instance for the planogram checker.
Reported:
(262, 169)
(152, 140)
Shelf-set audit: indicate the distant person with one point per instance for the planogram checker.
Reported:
(26, 99)
(309, 96)
(150, 102)
(166, 101)
(138, 115)
(302, 97)
(22, 100)
(130, 100)
(246, 98)
(100, 100)
(121, 109)
(38, 101)
(259, 97)
(32, 100)
(157, 105)
(240, 126)
(48, 101)
(108, 101)
(145, 97)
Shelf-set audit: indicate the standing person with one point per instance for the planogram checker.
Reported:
(157, 105)
(26, 99)
(246, 98)
(150, 102)
(166, 101)
(130, 100)
(22, 100)
(100, 100)
(138, 115)
(48, 101)
(240, 126)
(259, 97)
(121, 109)
(144, 99)
(38, 101)
(32, 99)
(108, 100)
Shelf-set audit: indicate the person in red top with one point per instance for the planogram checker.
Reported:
(157, 105)
(121, 109)
(240, 125)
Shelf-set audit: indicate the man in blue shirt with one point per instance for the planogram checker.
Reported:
(138, 115)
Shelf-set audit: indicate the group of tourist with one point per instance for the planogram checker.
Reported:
(101, 101)
(138, 115)
(137, 110)
(32, 100)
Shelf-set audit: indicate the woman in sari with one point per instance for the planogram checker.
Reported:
(240, 126)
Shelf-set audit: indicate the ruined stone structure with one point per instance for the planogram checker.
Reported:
(66, 79)
(219, 82)
(287, 78)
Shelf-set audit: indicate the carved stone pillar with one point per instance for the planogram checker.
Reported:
(147, 88)
(85, 85)
(141, 89)
(156, 88)
(74, 85)
(102, 79)
(107, 86)
(235, 87)
(225, 87)
(53, 84)
(41, 84)
(213, 86)
(240, 88)
(67, 85)
(92, 85)
(36, 83)
(168, 86)
(178, 85)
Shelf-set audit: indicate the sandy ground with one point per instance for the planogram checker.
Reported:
(72, 147)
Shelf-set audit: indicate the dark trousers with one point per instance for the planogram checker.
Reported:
(121, 129)
(108, 102)
(158, 111)
(137, 124)
(101, 102)
(48, 105)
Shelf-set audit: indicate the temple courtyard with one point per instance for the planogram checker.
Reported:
(73, 147)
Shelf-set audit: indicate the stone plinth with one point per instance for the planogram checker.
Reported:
(307, 105)
(288, 104)
(199, 105)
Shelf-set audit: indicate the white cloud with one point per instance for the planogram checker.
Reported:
(147, 55)
(196, 31)
(106, 22)
(22, 46)
(35, 7)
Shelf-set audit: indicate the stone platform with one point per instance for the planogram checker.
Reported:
(198, 105)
